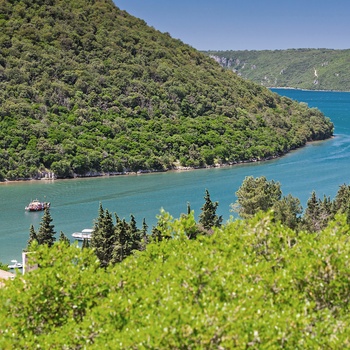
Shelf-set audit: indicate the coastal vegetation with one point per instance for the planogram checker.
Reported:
(249, 283)
(311, 69)
(87, 89)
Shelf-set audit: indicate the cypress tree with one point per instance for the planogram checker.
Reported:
(342, 199)
(64, 238)
(123, 241)
(135, 235)
(103, 237)
(287, 210)
(311, 219)
(144, 234)
(46, 233)
(32, 237)
(208, 218)
(86, 244)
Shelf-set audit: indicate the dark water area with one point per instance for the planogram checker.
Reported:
(320, 166)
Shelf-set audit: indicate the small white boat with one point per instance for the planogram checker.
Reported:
(85, 234)
(15, 265)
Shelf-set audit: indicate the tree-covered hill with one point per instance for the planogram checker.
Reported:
(312, 69)
(87, 88)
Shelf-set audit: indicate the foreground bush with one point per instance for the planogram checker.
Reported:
(252, 284)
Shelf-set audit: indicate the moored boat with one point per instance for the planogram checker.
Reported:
(15, 265)
(36, 205)
(85, 234)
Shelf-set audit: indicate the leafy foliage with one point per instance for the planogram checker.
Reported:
(259, 194)
(86, 88)
(253, 283)
(256, 194)
(312, 69)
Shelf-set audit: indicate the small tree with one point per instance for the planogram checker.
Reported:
(103, 237)
(144, 234)
(32, 237)
(287, 210)
(85, 244)
(256, 194)
(318, 213)
(208, 217)
(64, 238)
(341, 202)
(46, 233)
(161, 232)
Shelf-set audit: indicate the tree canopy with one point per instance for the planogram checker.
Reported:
(251, 284)
(86, 89)
(311, 69)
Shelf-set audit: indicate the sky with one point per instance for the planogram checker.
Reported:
(248, 24)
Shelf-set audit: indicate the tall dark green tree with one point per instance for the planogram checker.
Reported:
(144, 234)
(122, 246)
(103, 237)
(341, 201)
(85, 244)
(317, 213)
(135, 235)
(32, 237)
(64, 238)
(208, 217)
(46, 232)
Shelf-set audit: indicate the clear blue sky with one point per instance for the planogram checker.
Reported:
(248, 24)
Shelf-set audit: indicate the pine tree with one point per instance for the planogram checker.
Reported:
(46, 233)
(341, 202)
(135, 235)
(122, 247)
(311, 218)
(188, 208)
(32, 237)
(103, 237)
(287, 210)
(256, 194)
(64, 238)
(144, 234)
(208, 218)
(86, 244)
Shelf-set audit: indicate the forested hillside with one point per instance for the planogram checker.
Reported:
(86, 88)
(312, 69)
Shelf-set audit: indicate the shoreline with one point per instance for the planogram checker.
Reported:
(300, 89)
(175, 169)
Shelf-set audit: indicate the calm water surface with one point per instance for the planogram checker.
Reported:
(320, 166)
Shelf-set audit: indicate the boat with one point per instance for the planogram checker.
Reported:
(36, 205)
(84, 234)
(15, 265)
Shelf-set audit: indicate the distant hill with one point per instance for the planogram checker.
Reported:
(312, 69)
(85, 88)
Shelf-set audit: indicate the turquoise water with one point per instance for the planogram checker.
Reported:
(320, 166)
